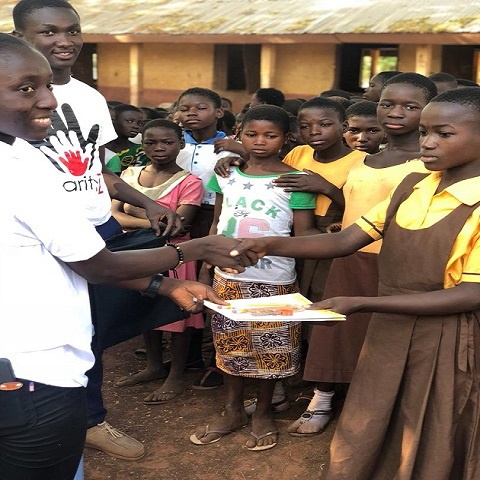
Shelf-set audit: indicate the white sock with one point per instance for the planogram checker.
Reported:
(278, 392)
(320, 401)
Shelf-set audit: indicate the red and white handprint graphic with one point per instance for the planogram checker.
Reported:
(68, 151)
(66, 147)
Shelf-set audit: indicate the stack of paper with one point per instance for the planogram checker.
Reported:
(292, 307)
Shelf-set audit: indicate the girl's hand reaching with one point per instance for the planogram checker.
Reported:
(343, 305)
(255, 247)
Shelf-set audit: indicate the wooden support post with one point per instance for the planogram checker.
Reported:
(268, 61)
(136, 74)
(428, 59)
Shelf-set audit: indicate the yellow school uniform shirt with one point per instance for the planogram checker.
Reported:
(335, 172)
(424, 208)
(366, 186)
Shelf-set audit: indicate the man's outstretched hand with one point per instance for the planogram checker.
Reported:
(189, 295)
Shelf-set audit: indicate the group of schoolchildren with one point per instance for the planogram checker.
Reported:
(383, 192)
(352, 155)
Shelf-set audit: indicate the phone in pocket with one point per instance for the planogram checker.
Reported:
(15, 403)
(6, 371)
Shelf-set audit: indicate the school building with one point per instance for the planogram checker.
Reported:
(146, 52)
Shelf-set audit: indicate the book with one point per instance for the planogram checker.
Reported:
(292, 307)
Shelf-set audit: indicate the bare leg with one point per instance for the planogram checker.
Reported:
(154, 369)
(262, 420)
(325, 387)
(234, 416)
(175, 383)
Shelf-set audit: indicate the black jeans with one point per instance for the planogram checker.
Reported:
(50, 445)
(96, 408)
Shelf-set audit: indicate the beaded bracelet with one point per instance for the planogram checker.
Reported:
(181, 257)
(152, 290)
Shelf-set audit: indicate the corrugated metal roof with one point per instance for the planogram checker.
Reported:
(270, 17)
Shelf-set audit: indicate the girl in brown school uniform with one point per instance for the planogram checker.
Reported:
(333, 353)
(413, 407)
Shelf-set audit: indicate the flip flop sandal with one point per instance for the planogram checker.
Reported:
(314, 417)
(197, 441)
(212, 378)
(141, 353)
(258, 448)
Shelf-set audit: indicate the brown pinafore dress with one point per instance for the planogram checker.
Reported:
(313, 272)
(412, 411)
(333, 351)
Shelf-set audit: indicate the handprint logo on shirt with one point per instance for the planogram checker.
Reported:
(65, 145)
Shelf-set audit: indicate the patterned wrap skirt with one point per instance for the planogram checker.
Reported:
(266, 350)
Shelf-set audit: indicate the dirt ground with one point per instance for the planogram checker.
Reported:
(165, 431)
